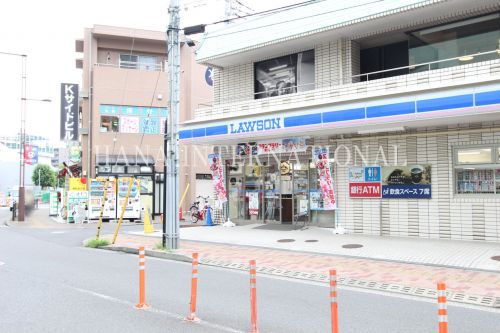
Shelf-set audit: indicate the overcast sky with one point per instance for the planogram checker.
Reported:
(46, 32)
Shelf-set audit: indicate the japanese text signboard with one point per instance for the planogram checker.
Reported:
(69, 112)
(364, 182)
(407, 182)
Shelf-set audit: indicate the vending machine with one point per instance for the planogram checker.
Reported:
(97, 187)
(133, 205)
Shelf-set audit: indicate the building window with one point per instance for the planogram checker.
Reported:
(284, 75)
(118, 169)
(455, 40)
(477, 171)
(142, 62)
(110, 124)
(474, 155)
(133, 169)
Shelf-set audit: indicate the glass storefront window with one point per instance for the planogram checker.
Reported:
(452, 40)
(118, 169)
(133, 169)
(474, 155)
(109, 124)
(477, 170)
(472, 181)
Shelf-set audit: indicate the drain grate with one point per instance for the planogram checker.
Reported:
(497, 258)
(352, 246)
(285, 240)
(386, 287)
(311, 240)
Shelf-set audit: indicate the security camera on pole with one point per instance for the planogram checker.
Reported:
(170, 237)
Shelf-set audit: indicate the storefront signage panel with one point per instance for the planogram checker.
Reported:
(365, 190)
(69, 112)
(364, 182)
(255, 125)
(407, 182)
(421, 106)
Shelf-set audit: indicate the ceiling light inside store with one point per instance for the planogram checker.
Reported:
(466, 58)
(277, 67)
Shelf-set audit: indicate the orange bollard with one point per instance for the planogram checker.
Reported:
(253, 297)
(194, 288)
(142, 280)
(442, 311)
(333, 301)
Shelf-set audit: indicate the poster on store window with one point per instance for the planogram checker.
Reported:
(411, 181)
(246, 149)
(97, 196)
(294, 145)
(215, 163)
(320, 156)
(133, 207)
(253, 203)
(269, 147)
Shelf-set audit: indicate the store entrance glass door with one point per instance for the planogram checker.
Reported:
(271, 190)
(300, 191)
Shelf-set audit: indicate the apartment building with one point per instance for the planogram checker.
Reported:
(125, 105)
(401, 99)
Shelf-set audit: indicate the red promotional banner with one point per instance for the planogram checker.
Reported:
(30, 154)
(365, 190)
(217, 177)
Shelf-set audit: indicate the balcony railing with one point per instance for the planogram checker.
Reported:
(422, 76)
(158, 67)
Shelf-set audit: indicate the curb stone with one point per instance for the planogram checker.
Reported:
(483, 301)
(151, 253)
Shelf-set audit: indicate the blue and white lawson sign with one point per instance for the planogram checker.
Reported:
(255, 125)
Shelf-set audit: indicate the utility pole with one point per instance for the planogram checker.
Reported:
(170, 238)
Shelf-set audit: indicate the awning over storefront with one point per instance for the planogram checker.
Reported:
(479, 103)
(124, 159)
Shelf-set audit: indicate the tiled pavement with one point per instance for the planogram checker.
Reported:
(469, 286)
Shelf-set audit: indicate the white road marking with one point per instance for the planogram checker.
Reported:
(218, 327)
(58, 232)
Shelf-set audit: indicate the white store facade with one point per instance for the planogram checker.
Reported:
(405, 98)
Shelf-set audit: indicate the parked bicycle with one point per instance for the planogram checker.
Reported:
(196, 213)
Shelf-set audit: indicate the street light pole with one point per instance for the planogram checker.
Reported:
(170, 237)
(22, 133)
(22, 201)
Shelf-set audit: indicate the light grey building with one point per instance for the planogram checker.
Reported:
(404, 95)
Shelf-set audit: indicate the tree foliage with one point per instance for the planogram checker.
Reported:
(46, 174)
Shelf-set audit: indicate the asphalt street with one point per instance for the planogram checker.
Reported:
(50, 283)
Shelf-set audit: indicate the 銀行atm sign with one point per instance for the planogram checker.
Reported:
(365, 182)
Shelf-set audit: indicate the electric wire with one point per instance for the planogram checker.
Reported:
(296, 19)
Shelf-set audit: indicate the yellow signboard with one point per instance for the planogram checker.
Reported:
(76, 184)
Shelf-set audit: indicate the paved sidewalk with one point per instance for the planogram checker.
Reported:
(450, 253)
(476, 287)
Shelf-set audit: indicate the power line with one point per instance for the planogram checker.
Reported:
(269, 11)
(295, 19)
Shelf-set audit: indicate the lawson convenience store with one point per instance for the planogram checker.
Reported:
(423, 165)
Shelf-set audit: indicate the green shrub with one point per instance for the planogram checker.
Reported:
(95, 243)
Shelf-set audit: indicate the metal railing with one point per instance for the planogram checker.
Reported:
(423, 76)
(158, 67)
